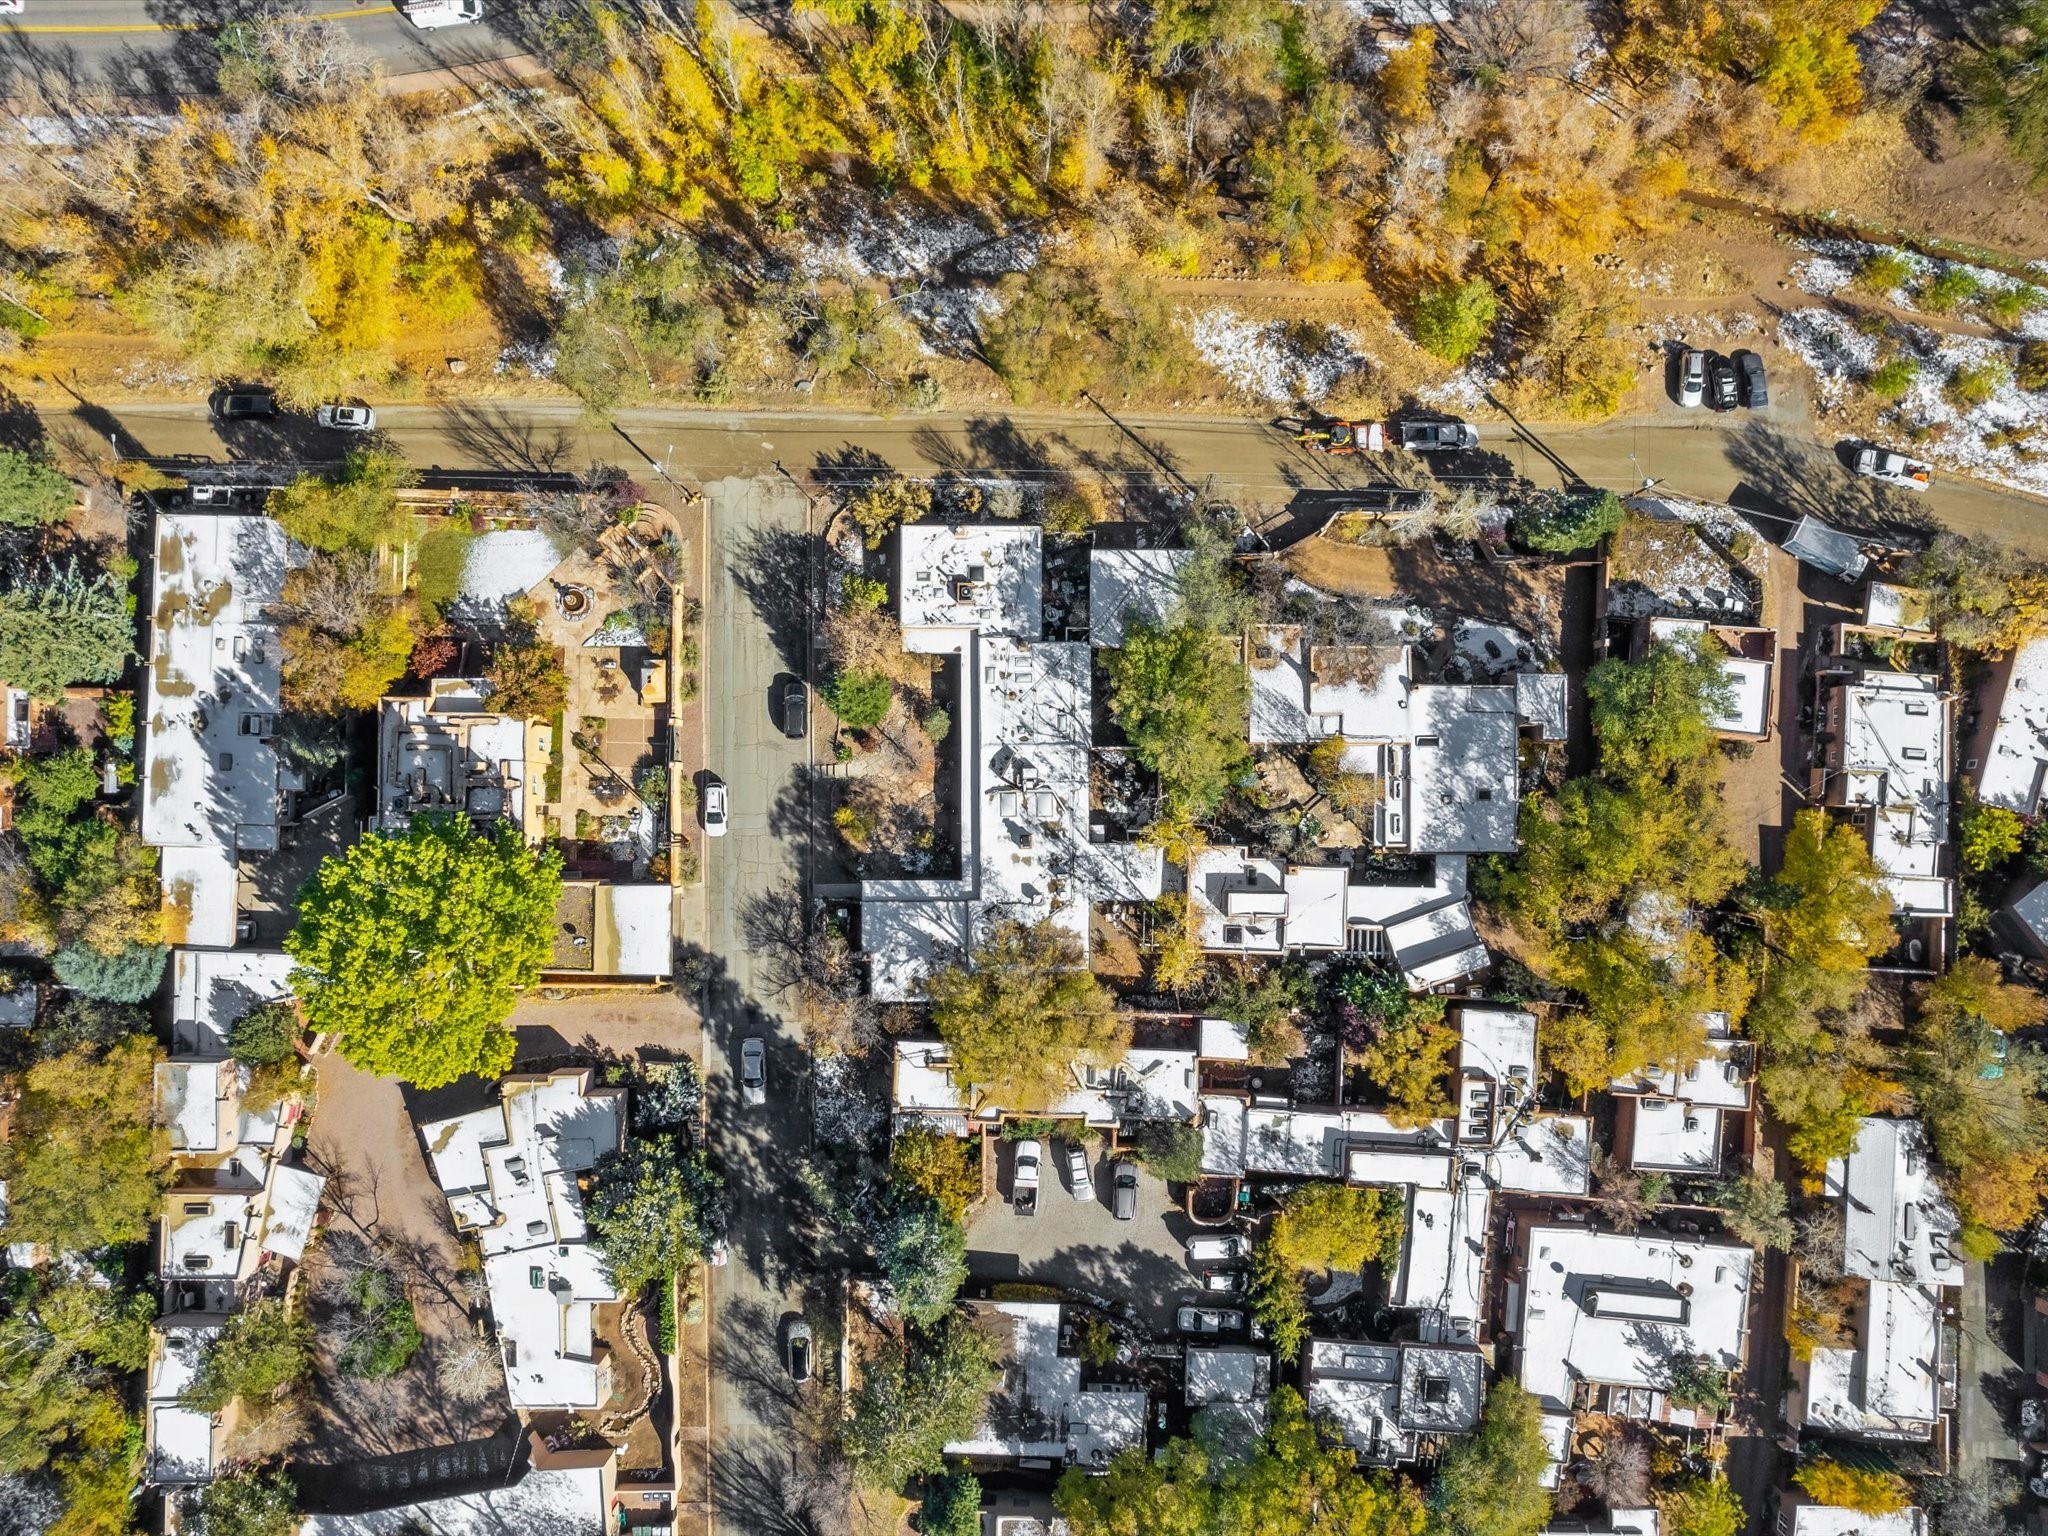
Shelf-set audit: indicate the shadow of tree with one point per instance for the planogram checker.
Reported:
(492, 435)
(1784, 472)
(776, 569)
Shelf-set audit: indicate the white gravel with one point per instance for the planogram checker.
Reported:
(1267, 358)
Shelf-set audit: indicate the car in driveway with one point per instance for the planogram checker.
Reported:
(714, 810)
(754, 1070)
(796, 711)
(1024, 1179)
(1223, 1282)
(346, 418)
(1722, 391)
(1208, 1320)
(1692, 378)
(244, 405)
(1438, 436)
(1756, 391)
(796, 1351)
(1123, 1190)
(1892, 468)
(1229, 1249)
(1079, 1180)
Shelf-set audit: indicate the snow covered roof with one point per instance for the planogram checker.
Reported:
(1381, 1397)
(1886, 1386)
(1227, 1373)
(1896, 1222)
(1130, 586)
(204, 885)
(192, 1104)
(1893, 763)
(1464, 770)
(2015, 770)
(987, 577)
(1047, 1412)
(1443, 1260)
(1615, 1309)
(211, 991)
(1798, 1518)
(566, 1501)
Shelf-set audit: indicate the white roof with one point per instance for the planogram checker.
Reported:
(1748, 679)
(1557, 1440)
(210, 774)
(1540, 699)
(1148, 1084)
(1227, 1373)
(1546, 1155)
(209, 1232)
(1279, 672)
(639, 920)
(1225, 1040)
(212, 989)
(1720, 1078)
(1888, 606)
(1676, 1137)
(1603, 1307)
(205, 884)
(1255, 906)
(180, 1444)
(1896, 1222)
(449, 752)
(545, 1328)
(1496, 1042)
(1047, 1412)
(294, 1203)
(1464, 770)
(971, 576)
(1130, 586)
(1886, 1387)
(1827, 1520)
(2015, 768)
(1443, 1263)
(188, 1102)
(1894, 755)
(556, 1502)
(1381, 1396)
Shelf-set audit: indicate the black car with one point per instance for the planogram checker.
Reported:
(244, 405)
(796, 712)
(1755, 394)
(1722, 393)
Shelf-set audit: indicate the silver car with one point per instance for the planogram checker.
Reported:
(1692, 378)
(1079, 1179)
(754, 1070)
(1123, 1190)
(347, 418)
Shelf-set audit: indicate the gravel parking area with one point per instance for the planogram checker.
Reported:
(1079, 1245)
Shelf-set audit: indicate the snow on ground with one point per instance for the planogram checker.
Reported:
(526, 359)
(1272, 359)
(900, 242)
(1833, 265)
(949, 320)
(1959, 438)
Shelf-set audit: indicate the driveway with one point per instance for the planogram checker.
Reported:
(769, 1470)
(1139, 1265)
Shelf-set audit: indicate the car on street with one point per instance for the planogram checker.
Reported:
(754, 1070)
(1218, 1250)
(1223, 1282)
(796, 1351)
(429, 14)
(714, 810)
(1079, 1180)
(1438, 436)
(1892, 468)
(1692, 378)
(347, 418)
(1024, 1178)
(1123, 1190)
(1208, 1320)
(1756, 393)
(796, 711)
(1722, 393)
(244, 405)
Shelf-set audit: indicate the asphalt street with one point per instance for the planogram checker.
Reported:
(1773, 469)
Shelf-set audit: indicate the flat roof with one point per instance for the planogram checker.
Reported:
(1887, 605)
(1894, 764)
(981, 576)
(1675, 1137)
(1227, 1373)
(1443, 1261)
(211, 991)
(1887, 1386)
(188, 1103)
(1278, 663)
(294, 1203)
(1147, 1084)
(1565, 1339)
(2015, 768)
(1464, 770)
(1802, 1519)
(1090, 1423)
(1496, 1042)
(1131, 586)
(559, 1501)
(1721, 1078)
(208, 1232)
(1896, 1222)
(204, 887)
(1547, 1155)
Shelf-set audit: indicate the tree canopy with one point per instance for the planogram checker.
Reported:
(1020, 1010)
(1181, 696)
(647, 1210)
(923, 1251)
(413, 947)
(914, 1396)
(250, 1502)
(1491, 1483)
(33, 492)
(355, 509)
(86, 1163)
(59, 627)
(263, 1349)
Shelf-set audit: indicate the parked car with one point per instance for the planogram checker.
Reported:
(1343, 437)
(1218, 1250)
(1756, 393)
(754, 1070)
(1438, 436)
(1692, 378)
(1223, 1282)
(244, 405)
(1079, 1179)
(797, 1351)
(796, 712)
(714, 810)
(347, 418)
(1208, 1320)
(1123, 1190)
(429, 14)
(1722, 393)
(1024, 1179)
(1893, 468)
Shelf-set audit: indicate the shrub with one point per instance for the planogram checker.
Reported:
(2033, 366)
(381, 1331)
(1451, 320)
(1990, 834)
(1172, 1149)
(1972, 384)
(33, 492)
(1894, 378)
(952, 1505)
(862, 594)
(127, 976)
(1884, 272)
(938, 724)
(1559, 522)
(1696, 1382)
(1947, 290)
(265, 1035)
(944, 1168)
(860, 699)
(652, 785)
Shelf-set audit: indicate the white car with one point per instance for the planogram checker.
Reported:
(12, 7)
(714, 810)
(1079, 1179)
(347, 418)
(1692, 379)
(754, 1070)
(1218, 1250)
(1893, 468)
(429, 14)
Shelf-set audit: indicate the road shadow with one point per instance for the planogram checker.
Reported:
(776, 570)
(494, 436)
(1786, 474)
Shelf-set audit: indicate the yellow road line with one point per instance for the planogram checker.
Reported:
(46, 30)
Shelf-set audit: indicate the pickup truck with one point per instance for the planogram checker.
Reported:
(1438, 436)
(1892, 468)
(1024, 1183)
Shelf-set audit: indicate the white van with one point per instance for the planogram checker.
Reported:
(429, 14)
(1218, 1250)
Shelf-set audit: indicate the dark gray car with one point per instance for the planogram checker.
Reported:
(796, 712)
(1756, 393)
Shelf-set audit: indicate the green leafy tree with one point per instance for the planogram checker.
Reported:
(85, 1167)
(1560, 522)
(266, 1035)
(1020, 1011)
(129, 975)
(1832, 911)
(945, 1168)
(1398, 1039)
(1988, 836)
(252, 1502)
(87, 1022)
(1182, 699)
(413, 947)
(380, 1332)
(860, 699)
(34, 493)
(1654, 715)
(1268, 1001)
(1325, 1227)
(951, 1506)
(356, 510)
(1702, 1506)
(923, 1251)
(1753, 1208)
(1172, 1149)
(58, 628)
(1279, 1300)
(1303, 1481)
(1172, 1494)
(647, 1211)
(264, 1349)
(914, 1397)
(1452, 320)
(1492, 1483)
(1697, 1382)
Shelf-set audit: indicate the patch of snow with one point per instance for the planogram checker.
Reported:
(842, 1115)
(1270, 359)
(507, 562)
(149, 373)
(532, 359)
(1464, 391)
(555, 274)
(1834, 264)
(899, 242)
(1838, 353)
(949, 320)
(1706, 324)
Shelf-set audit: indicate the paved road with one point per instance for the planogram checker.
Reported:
(766, 1464)
(143, 47)
(1764, 466)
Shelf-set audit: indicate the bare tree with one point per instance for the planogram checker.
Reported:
(1526, 39)
(1620, 1474)
(336, 593)
(1817, 1242)
(470, 1370)
(1619, 1188)
(812, 970)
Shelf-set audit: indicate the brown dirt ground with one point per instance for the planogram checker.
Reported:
(1528, 597)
